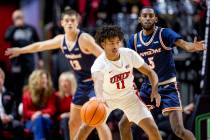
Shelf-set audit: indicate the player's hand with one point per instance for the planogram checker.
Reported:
(100, 99)
(157, 97)
(198, 45)
(12, 52)
(189, 108)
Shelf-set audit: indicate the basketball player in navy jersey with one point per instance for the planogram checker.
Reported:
(81, 50)
(155, 45)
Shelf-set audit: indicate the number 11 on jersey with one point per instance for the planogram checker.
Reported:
(120, 84)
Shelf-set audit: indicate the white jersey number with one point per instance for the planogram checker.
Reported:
(75, 64)
(151, 62)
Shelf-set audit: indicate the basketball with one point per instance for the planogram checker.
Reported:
(93, 113)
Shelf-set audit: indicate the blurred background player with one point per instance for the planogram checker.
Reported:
(81, 50)
(155, 45)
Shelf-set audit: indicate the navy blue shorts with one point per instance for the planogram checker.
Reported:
(170, 97)
(83, 93)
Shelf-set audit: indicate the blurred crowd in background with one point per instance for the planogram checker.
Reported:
(40, 20)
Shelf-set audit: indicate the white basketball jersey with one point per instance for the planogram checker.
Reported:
(118, 75)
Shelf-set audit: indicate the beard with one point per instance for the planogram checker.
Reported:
(148, 27)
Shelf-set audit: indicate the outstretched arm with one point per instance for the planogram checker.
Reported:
(191, 46)
(35, 47)
(146, 70)
(88, 43)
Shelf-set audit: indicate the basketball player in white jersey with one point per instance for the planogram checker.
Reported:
(113, 78)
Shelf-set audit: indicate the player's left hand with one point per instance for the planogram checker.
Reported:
(100, 99)
(157, 98)
(198, 45)
(13, 52)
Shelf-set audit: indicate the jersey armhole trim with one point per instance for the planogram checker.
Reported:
(161, 41)
(82, 50)
(61, 45)
(135, 41)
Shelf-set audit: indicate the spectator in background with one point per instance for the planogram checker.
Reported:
(67, 87)
(39, 104)
(18, 35)
(8, 112)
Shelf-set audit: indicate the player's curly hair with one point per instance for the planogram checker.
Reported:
(108, 32)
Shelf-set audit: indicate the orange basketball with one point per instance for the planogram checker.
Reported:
(93, 113)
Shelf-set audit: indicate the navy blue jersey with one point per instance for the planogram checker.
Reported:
(156, 50)
(80, 61)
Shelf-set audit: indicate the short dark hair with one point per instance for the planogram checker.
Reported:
(148, 7)
(108, 32)
(70, 12)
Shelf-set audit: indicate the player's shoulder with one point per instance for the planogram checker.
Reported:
(125, 51)
(166, 30)
(59, 37)
(85, 39)
(99, 63)
(101, 58)
(85, 36)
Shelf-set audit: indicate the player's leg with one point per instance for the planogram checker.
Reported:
(177, 126)
(147, 123)
(104, 132)
(125, 128)
(171, 104)
(74, 120)
(138, 113)
(78, 130)
(124, 124)
(80, 97)
(150, 128)
(83, 132)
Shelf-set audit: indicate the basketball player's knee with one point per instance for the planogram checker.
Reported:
(154, 129)
(179, 130)
(84, 128)
(72, 124)
(124, 124)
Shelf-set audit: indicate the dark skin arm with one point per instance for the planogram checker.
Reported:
(191, 46)
(146, 70)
